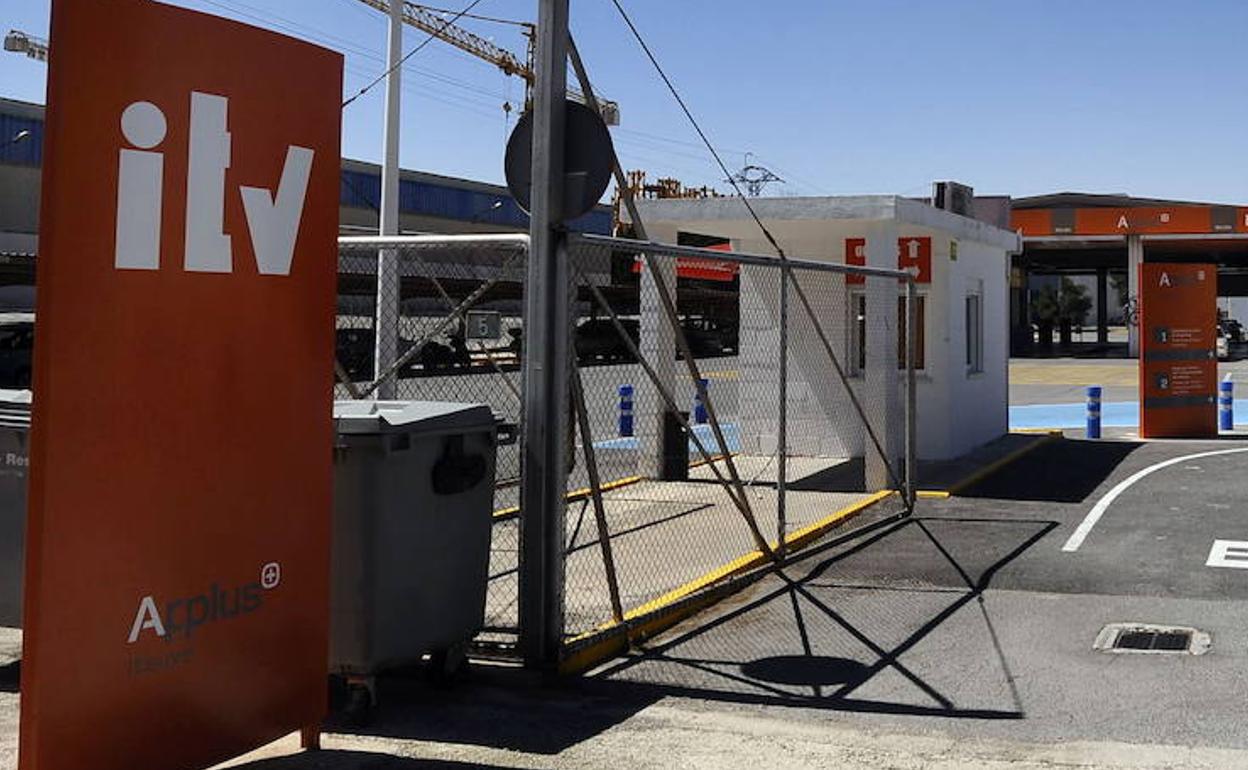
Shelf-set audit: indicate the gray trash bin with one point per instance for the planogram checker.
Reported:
(413, 502)
(14, 438)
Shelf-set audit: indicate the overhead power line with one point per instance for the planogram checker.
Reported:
(728, 175)
(478, 17)
(797, 286)
(432, 36)
(299, 29)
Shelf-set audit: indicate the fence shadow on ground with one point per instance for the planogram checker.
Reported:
(849, 475)
(11, 676)
(838, 628)
(825, 634)
(506, 711)
(360, 760)
(1061, 471)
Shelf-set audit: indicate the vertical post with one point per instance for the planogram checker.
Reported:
(1102, 305)
(1093, 427)
(1024, 314)
(626, 411)
(782, 431)
(1135, 258)
(1226, 404)
(880, 380)
(912, 396)
(546, 357)
(658, 346)
(386, 319)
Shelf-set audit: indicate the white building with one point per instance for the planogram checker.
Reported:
(962, 382)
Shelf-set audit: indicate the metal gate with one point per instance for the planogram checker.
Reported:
(726, 409)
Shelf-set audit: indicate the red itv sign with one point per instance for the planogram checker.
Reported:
(176, 609)
(1178, 359)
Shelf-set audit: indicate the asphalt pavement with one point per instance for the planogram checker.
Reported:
(972, 621)
(959, 638)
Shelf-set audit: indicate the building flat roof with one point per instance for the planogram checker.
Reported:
(840, 207)
(1083, 200)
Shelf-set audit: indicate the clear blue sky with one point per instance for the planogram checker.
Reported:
(838, 97)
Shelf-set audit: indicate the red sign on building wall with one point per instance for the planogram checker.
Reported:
(855, 255)
(914, 255)
(176, 609)
(1178, 360)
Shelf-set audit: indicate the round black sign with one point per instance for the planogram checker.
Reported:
(587, 156)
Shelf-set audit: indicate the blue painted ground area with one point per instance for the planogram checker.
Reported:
(1114, 414)
(732, 436)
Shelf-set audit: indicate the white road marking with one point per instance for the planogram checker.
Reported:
(1228, 553)
(1098, 510)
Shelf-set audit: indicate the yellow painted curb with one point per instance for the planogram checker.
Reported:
(584, 492)
(611, 646)
(989, 469)
(574, 495)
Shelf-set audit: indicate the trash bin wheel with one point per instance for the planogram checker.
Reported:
(447, 665)
(357, 709)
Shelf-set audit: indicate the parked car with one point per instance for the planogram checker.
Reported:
(354, 349)
(597, 340)
(1223, 345)
(17, 341)
(708, 338)
(355, 353)
(1233, 329)
(515, 343)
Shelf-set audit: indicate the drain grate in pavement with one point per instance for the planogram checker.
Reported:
(1150, 638)
(1166, 641)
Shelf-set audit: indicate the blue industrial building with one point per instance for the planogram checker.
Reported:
(428, 203)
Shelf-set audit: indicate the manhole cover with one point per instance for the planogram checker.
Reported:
(1150, 638)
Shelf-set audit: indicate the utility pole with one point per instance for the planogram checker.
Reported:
(546, 356)
(386, 319)
(754, 177)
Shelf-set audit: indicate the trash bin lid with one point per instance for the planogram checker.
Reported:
(14, 408)
(411, 416)
(19, 397)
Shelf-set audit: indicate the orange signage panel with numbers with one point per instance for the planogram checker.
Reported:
(1178, 358)
(176, 608)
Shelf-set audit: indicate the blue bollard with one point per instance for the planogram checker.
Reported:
(699, 406)
(626, 411)
(1226, 405)
(1094, 412)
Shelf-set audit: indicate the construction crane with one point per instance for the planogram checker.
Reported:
(432, 21)
(21, 42)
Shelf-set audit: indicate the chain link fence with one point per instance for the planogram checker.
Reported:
(732, 415)
(721, 414)
(450, 321)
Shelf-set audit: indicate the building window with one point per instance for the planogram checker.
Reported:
(858, 332)
(920, 340)
(974, 333)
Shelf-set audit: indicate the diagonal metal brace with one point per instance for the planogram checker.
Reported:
(669, 308)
